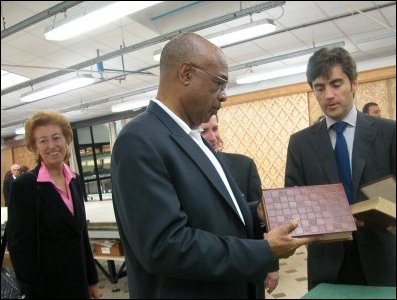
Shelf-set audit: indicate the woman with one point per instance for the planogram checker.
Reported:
(47, 231)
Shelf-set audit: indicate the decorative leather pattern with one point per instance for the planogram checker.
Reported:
(319, 209)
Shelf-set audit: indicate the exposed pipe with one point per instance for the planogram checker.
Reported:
(178, 9)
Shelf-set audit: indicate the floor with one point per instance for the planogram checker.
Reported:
(292, 284)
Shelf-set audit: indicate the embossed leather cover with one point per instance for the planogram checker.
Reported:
(320, 209)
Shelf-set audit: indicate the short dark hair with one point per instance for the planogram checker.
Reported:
(367, 106)
(323, 60)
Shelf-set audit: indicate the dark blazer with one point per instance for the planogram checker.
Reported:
(180, 231)
(245, 173)
(311, 161)
(8, 180)
(66, 266)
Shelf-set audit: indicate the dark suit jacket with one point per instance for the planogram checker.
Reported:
(66, 266)
(180, 231)
(8, 180)
(311, 161)
(245, 173)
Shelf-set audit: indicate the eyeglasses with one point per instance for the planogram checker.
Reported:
(222, 85)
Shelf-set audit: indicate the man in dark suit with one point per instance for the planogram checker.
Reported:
(370, 259)
(244, 172)
(185, 228)
(9, 178)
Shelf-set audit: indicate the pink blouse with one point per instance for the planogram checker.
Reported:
(44, 176)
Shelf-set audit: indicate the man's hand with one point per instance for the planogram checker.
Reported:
(271, 281)
(94, 292)
(282, 244)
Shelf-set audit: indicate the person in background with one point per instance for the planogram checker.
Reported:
(9, 178)
(369, 148)
(245, 173)
(47, 229)
(186, 230)
(372, 109)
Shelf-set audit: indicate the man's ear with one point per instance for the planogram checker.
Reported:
(185, 73)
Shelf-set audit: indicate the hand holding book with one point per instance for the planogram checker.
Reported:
(282, 244)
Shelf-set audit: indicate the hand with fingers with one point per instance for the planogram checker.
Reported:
(271, 281)
(282, 244)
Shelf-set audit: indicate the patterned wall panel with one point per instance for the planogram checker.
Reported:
(376, 91)
(24, 157)
(392, 97)
(314, 108)
(261, 130)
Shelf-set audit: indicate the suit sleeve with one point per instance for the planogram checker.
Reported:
(22, 234)
(294, 171)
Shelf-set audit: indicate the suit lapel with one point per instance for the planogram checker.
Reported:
(192, 150)
(363, 139)
(242, 203)
(323, 147)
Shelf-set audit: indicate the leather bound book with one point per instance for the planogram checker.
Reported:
(321, 210)
(379, 211)
(384, 187)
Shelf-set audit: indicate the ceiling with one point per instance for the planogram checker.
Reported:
(367, 29)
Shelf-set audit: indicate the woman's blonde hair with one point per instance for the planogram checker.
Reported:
(43, 118)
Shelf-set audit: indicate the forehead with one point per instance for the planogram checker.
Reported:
(210, 124)
(47, 130)
(336, 72)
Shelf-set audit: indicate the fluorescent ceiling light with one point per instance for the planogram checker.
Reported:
(20, 130)
(254, 77)
(244, 32)
(72, 84)
(9, 79)
(236, 34)
(134, 105)
(376, 37)
(89, 20)
(157, 55)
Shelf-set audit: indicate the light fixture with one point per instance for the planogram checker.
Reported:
(9, 79)
(254, 77)
(157, 55)
(133, 105)
(244, 32)
(94, 18)
(72, 84)
(379, 36)
(20, 130)
(235, 34)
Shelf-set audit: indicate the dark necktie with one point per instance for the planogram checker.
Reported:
(342, 159)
